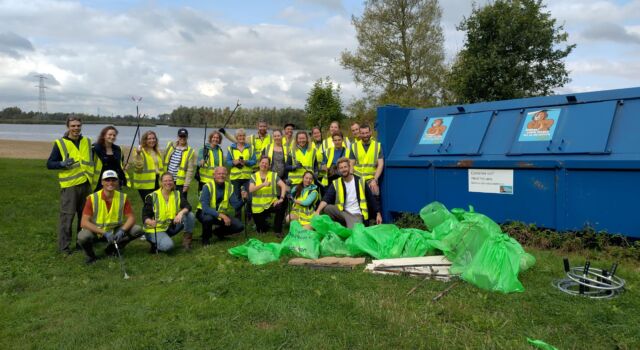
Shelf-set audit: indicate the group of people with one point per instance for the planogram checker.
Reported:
(293, 177)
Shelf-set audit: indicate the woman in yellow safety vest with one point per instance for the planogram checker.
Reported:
(278, 154)
(331, 156)
(268, 193)
(302, 159)
(241, 159)
(318, 145)
(148, 165)
(108, 156)
(166, 212)
(305, 196)
(180, 160)
(210, 157)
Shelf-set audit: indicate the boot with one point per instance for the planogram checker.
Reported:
(90, 254)
(186, 240)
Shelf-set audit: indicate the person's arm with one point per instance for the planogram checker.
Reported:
(373, 203)
(205, 199)
(55, 158)
(329, 197)
(189, 174)
(229, 157)
(85, 222)
(184, 204)
(309, 200)
(380, 165)
(200, 159)
(227, 135)
(252, 184)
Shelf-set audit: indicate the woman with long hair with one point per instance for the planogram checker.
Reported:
(148, 165)
(302, 159)
(268, 196)
(305, 196)
(108, 156)
(210, 157)
(278, 154)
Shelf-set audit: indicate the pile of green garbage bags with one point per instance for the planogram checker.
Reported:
(476, 246)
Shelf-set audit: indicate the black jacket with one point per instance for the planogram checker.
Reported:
(330, 196)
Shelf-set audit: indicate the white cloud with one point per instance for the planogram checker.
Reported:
(211, 88)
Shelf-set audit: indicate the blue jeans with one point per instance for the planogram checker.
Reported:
(165, 243)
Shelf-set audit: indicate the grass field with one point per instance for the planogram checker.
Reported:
(208, 299)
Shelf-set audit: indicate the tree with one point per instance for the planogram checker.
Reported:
(512, 50)
(400, 52)
(323, 104)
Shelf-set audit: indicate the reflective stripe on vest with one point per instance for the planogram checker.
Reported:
(182, 169)
(146, 179)
(330, 154)
(206, 171)
(163, 211)
(340, 193)
(306, 160)
(245, 172)
(328, 143)
(305, 214)
(83, 169)
(269, 153)
(366, 162)
(262, 199)
(108, 219)
(224, 205)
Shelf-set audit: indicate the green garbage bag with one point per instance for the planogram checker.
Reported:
(301, 242)
(333, 245)
(540, 344)
(434, 214)
(416, 245)
(324, 225)
(459, 212)
(380, 241)
(441, 231)
(257, 252)
(495, 266)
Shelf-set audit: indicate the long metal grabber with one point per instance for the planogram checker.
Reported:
(231, 115)
(115, 243)
(138, 116)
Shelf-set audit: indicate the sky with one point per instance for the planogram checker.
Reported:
(96, 55)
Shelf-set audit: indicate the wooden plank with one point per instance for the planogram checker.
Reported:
(328, 261)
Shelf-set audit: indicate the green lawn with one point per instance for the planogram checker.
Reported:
(208, 299)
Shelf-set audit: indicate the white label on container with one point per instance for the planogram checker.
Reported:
(491, 181)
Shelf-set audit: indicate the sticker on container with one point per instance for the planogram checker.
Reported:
(540, 125)
(498, 181)
(436, 130)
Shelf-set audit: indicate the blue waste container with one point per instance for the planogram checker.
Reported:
(564, 162)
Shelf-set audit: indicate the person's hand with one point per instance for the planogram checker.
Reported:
(373, 186)
(278, 202)
(236, 162)
(222, 131)
(225, 218)
(119, 234)
(378, 219)
(244, 194)
(185, 189)
(178, 218)
(67, 162)
(109, 236)
(266, 184)
(138, 149)
(151, 223)
(201, 163)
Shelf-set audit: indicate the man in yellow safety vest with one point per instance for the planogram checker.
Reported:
(107, 213)
(367, 161)
(72, 157)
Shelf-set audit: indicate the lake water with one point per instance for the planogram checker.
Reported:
(50, 132)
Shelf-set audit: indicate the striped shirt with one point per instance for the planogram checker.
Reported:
(174, 162)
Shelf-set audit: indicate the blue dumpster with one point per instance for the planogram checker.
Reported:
(563, 162)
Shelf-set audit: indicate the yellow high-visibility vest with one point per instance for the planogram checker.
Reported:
(330, 154)
(146, 178)
(245, 172)
(305, 214)
(328, 142)
(262, 199)
(306, 160)
(187, 156)
(97, 170)
(259, 144)
(366, 162)
(224, 205)
(340, 196)
(83, 169)
(207, 169)
(269, 153)
(163, 211)
(113, 218)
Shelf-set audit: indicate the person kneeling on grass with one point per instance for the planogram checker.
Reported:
(166, 212)
(216, 201)
(347, 197)
(304, 196)
(107, 214)
(268, 192)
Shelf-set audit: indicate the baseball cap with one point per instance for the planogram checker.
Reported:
(109, 174)
(183, 132)
(290, 124)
